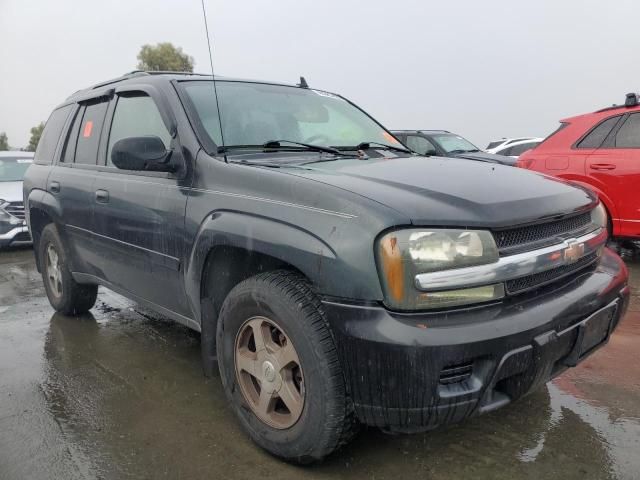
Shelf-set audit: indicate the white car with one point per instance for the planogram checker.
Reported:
(13, 228)
(514, 147)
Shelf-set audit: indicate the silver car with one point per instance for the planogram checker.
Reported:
(13, 228)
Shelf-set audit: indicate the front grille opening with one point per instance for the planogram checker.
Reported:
(514, 240)
(456, 373)
(538, 279)
(16, 209)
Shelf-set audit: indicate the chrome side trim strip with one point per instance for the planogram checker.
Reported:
(514, 266)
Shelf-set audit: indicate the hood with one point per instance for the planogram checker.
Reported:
(448, 191)
(11, 191)
(486, 157)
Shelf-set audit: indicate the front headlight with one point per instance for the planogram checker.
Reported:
(403, 254)
(599, 216)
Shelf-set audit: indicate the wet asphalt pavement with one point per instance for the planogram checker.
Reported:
(120, 394)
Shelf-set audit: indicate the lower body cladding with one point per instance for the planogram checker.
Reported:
(14, 235)
(414, 372)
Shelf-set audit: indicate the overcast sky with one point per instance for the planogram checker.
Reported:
(484, 69)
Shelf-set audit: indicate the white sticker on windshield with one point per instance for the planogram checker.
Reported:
(326, 94)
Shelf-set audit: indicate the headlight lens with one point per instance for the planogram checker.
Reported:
(405, 253)
(599, 216)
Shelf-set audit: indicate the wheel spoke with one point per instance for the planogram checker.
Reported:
(285, 356)
(258, 328)
(291, 397)
(247, 363)
(265, 403)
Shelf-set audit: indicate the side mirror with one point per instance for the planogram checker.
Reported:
(431, 151)
(141, 153)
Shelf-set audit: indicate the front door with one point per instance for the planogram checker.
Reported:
(139, 216)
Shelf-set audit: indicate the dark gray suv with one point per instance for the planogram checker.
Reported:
(336, 278)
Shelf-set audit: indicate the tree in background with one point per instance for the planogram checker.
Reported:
(36, 133)
(164, 56)
(4, 142)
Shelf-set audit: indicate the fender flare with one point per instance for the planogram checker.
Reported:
(289, 243)
(604, 198)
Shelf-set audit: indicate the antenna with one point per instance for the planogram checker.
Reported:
(303, 83)
(213, 80)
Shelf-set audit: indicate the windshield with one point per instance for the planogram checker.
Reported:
(455, 143)
(12, 169)
(254, 113)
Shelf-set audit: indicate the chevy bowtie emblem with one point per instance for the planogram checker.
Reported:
(573, 252)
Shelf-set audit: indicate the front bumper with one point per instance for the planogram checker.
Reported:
(414, 372)
(16, 236)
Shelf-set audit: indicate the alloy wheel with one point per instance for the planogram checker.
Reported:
(269, 373)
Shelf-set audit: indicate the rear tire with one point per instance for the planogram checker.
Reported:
(65, 294)
(282, 306)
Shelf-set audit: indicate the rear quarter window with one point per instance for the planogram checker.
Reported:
(51, 136)
(597, 135)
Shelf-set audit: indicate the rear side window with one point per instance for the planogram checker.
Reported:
(629, 134)
(597, 136)
(89, 133)
(51, 135)
(136, 116)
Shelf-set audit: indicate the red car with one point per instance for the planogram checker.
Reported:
(600, 150)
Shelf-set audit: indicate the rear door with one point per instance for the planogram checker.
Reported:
(139, 215)
(71, 181)
(616, 166)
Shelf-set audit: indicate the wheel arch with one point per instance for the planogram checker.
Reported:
(42, 209)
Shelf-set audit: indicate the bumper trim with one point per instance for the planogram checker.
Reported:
(511, 267)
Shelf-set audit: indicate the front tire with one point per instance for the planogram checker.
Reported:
(280, 370)
(65, 294)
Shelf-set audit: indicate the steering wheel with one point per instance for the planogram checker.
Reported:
(319, 136)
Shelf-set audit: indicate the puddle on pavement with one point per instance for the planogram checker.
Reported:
(120, 394)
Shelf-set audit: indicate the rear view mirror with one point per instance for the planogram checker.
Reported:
(141, 153)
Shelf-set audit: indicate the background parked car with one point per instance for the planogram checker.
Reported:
(515, 149)
(504, 142)
(446, 144)
(13, 228)
(600, 150)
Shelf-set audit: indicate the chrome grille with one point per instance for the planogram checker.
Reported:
(16, 209)
(521, 284)
(515, 240)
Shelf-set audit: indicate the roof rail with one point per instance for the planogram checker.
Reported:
(630, 100)
(172, 72)
(135, 73)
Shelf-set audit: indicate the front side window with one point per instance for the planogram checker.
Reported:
(629, 134)
(597, 136)
(12, 169)
(136, 115)
(51, 135)
(253, 114)
(455, 144)
(420, 145)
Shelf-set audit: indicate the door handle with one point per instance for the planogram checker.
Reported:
(102, 196)
(602, 166)
(54, 187)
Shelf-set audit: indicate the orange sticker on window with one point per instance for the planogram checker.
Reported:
(389, 137)
(87, 129)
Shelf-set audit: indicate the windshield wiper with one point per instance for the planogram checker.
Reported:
(277, 144)
(460, 150)
(384, 146)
